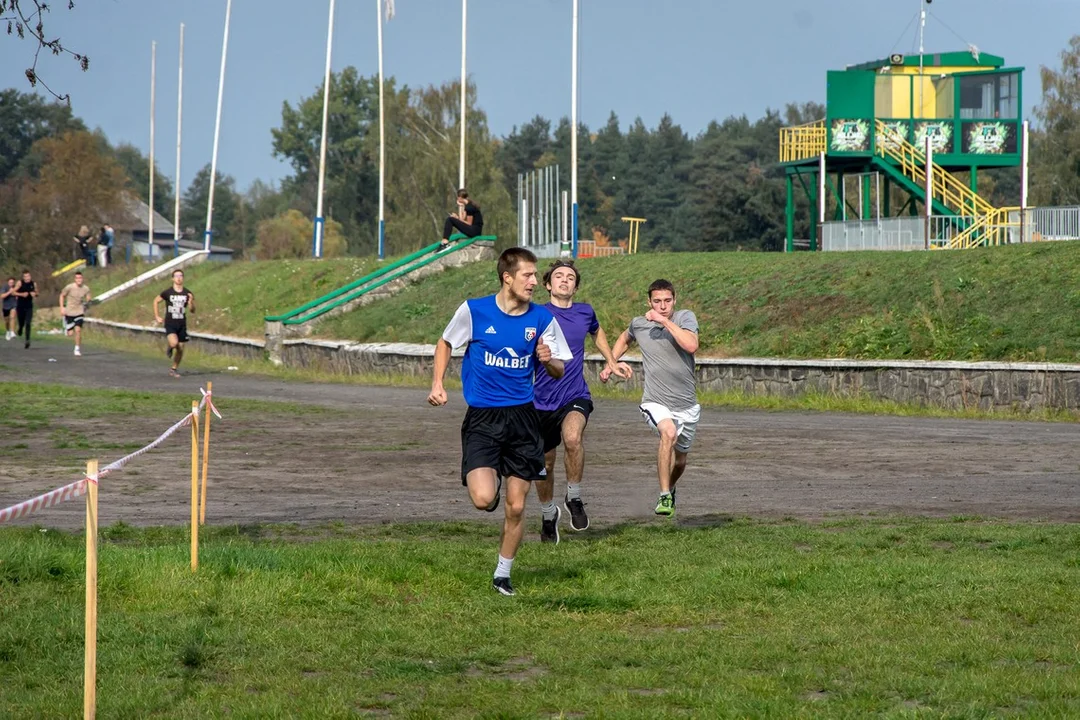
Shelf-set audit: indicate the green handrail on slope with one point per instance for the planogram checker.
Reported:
(351, 286)
(416, 265)
(408, 262)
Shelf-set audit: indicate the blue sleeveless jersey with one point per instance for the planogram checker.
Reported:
(500, 356)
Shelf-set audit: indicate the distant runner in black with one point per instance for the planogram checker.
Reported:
(24, 304)
(179, 301)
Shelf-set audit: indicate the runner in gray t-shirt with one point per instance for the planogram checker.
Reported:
(668, 340)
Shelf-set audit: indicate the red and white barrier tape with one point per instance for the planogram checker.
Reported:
(207, 398)
(78, 488)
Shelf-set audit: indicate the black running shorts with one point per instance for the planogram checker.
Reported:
(177, 329)
(551, 421)
(504, 438)
(73, 321)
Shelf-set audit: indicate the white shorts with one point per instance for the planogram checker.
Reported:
(685, 422)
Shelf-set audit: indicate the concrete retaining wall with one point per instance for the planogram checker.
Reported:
(955, 385)
(241, 348)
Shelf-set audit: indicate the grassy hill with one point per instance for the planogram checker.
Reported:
(1011, 303)
(233, 298)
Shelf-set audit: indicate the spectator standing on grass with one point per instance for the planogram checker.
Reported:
(24, 304)
(104, 246)
(9, 299)
(73, 300)
(564, 404)
(668, 339)
(505, 335)
(82, 239)
(468, 221)
(179, 301)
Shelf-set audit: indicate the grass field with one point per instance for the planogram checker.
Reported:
(709, 616)
(902, 618)
(1011, 303)
(232, 298)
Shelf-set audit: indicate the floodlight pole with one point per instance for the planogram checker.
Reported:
(382, 140)
(461, 154)
(153, 87)
(179, 125)
(317, 245)
(574, 134)
(217, 131)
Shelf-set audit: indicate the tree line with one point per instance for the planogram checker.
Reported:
(721, 189)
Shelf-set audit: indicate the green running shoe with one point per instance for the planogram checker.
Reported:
(665, 505)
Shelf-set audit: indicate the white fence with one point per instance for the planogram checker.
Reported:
(910, 233)
(1055, 223)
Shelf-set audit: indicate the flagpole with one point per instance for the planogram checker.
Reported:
(574, 135)
(461, 154)
(153, 83)
(318, 242)
(382, 142)
(179, 124)
(217, 131)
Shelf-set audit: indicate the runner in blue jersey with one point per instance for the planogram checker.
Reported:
(505, 335)
(564, 404)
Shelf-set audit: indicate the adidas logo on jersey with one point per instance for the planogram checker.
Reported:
(490, 330)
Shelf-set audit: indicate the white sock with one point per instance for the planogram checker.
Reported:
(573, 492)
(503, 568)
(549, 510)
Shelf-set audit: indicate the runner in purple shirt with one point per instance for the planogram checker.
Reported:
(564, 405)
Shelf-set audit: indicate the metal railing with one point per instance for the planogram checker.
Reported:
(802, 142)
(372, 281)
(1054, 223)
(898, 233)
(952, 193)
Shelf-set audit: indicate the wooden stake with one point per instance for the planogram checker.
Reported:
(90, 657)
(194, 485)
(205, 454)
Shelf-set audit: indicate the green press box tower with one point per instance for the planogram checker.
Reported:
(878, 117)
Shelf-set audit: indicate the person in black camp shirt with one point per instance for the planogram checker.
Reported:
(468, 221)
(25, 292)
(179, 301)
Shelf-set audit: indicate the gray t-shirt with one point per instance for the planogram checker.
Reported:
(669, 370)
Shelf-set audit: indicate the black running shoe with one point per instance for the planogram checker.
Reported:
(502, 586)
(549, 529)
(578, 519)
(498, 494)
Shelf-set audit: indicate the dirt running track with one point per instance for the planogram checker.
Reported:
(382, 454)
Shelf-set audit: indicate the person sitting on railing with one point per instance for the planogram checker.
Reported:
(469, 221)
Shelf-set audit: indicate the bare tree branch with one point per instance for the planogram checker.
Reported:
(31, 25)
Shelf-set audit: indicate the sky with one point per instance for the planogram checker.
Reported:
(698, 60)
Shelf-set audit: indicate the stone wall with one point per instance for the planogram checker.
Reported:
(954, 385)
(234, 347)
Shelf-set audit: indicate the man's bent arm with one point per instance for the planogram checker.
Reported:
(687, 339)
(600, 340)
(442, 362)
(621, 346)
(555, 368)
